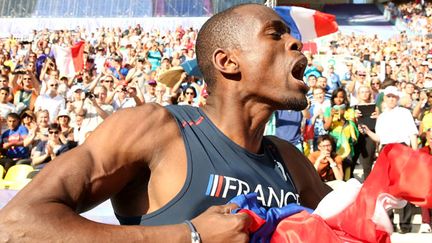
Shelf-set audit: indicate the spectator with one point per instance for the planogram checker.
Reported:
(327, 163)
(50, 101)
(12, 141)
(150, 94)
(425, 227)
(334, 81)
(125, 97)
(366, 146)
(5, 107)
(47, 150)
(26, 93)
(388, 131)
(96, 108)
(28, 119)
(316, 110)
(188, 96)
(66, 131)
(289, 126)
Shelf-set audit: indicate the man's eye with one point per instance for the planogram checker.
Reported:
(277, 35)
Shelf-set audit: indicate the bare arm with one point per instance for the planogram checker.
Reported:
(413, 140)
(46, 209)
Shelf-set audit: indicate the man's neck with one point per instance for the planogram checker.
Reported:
(243, 123)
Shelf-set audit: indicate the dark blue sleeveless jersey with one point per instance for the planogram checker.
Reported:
(218, 170)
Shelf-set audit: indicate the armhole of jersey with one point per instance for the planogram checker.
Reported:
(274, 153)
(189, 169)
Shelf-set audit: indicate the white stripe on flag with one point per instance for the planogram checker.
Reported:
(64, 62)
(304, 20)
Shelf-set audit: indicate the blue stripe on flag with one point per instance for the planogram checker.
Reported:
(284, 13)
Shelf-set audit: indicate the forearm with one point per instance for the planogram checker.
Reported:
(373, 136)
(413, 139)
(39, 159)
(61, 223)
(101, 112)
(338, 173)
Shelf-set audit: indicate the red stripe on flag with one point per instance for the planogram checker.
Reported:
(324, 23)
(77, 52)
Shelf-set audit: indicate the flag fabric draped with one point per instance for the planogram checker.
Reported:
(69, 60)
(307, 24)
(353, 212)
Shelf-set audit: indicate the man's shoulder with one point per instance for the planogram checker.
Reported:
(149, 113)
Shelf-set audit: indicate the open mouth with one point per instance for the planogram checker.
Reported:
(299, 68)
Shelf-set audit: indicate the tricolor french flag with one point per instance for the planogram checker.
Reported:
(307, 24)
(69, 60)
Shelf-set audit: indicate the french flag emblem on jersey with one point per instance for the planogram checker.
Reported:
(307, 24)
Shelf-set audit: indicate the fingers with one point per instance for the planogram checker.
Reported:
(224, 209)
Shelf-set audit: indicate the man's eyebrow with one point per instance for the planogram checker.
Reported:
(276, 24)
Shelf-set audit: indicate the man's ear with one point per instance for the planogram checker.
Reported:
(225, 62)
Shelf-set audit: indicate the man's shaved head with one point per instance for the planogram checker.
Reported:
(222, 30)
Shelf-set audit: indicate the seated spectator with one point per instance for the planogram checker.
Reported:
(66, 131)
(45, 151)
(80, 131)
(27, 119)
(12, 141)
(38, 131)
(327, 163)
(5, 107)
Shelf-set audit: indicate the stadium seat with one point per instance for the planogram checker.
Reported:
(2, 172)
(16, 177)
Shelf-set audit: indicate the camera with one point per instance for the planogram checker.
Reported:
(25, 42)
(79, 79)
(90, 95)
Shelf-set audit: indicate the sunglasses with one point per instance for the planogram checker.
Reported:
(109, 81)
(53, 132)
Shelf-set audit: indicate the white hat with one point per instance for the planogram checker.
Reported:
(63, 113)
(76, 87)
(391, 90)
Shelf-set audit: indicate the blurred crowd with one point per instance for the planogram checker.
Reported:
(365, 92)
(45, 112)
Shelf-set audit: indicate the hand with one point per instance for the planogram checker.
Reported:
(357, 113)
(6, 145)
(49, 150)
(217, 224)
(322, 157)
(183, 76)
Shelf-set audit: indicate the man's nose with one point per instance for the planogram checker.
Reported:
(293, 44)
